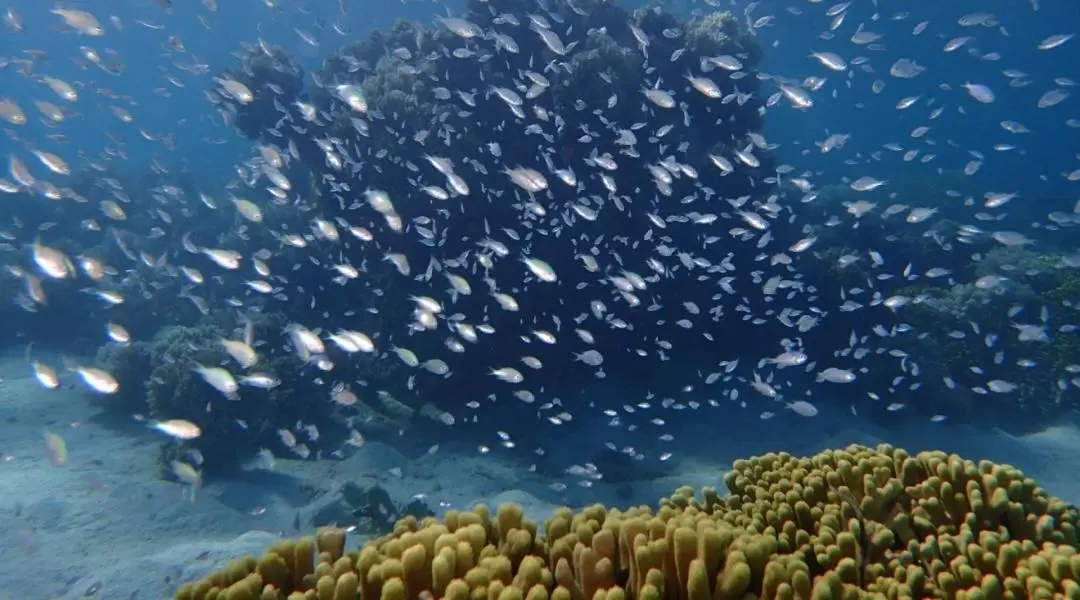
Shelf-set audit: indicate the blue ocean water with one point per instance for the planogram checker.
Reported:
(261, 257)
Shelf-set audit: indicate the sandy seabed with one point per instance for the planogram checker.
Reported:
(106, 525)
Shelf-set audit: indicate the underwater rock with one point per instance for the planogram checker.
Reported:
(370, 509)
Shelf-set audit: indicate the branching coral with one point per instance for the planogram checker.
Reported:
(852, 523)
(173, 388)
(716, 32)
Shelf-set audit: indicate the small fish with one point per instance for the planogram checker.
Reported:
(540, 269)
(45, 375)
(241, 352)
(81, 21)
(180, 429)
(52, 262)
(979, 92)
(260, 380)
(1055, 41)
(220, 379)
(802, 408)
(186, 473)
(508, 374)
(117, 333)
(99, 380)
(56, 449)
(830, 60)
(866, 184)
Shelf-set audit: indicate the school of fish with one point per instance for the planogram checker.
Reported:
(568, 282)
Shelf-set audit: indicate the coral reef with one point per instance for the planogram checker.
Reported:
(236, 427)
(1006, 287)
(850, 523)
(173, 389)
(96, 256)
(486, 103)
(265, 68)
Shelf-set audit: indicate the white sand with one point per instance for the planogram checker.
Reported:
(106, 519)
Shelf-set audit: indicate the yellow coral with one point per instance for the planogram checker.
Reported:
(852, 523)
